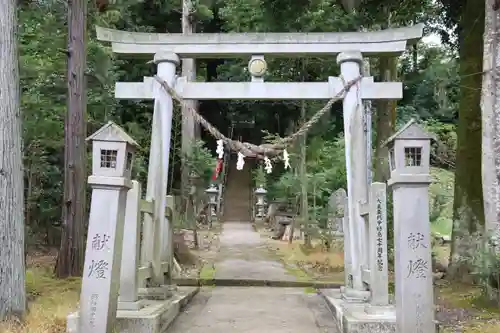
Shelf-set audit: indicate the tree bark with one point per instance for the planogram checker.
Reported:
(71, 253)
(188, 124)
(490, 109)
(304, 204)
(385, 121)
(468, 210)
(12, 264)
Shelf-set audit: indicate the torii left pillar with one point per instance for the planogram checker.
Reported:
(157, 247)
(356, 166)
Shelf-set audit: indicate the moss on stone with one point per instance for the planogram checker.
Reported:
(207, 272)
(310, 290)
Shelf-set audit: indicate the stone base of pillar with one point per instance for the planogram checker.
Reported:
(154, 317)
(352, 317)
(354, 296)
(155, 293)
(171, 287)
(131, 306)
(379, 309)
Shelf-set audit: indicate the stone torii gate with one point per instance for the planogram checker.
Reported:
(167, 50)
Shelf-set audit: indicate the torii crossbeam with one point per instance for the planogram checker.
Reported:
(206, 45)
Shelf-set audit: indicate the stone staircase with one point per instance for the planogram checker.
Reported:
(237, 205)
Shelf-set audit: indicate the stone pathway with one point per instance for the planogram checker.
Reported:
(243, 255)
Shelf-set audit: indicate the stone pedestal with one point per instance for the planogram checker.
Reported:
(354, 295)
(361, 317)
(154, 317)
(100, 283)
(354, 317)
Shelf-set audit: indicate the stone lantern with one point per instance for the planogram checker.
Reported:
(212, 192)
(260, 194)
(409, 156)
(194, 180)
(409, 152)
(112, 152)
(112, 156)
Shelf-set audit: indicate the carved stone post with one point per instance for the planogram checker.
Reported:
(409, 151)
(129, 284)
(111, 165)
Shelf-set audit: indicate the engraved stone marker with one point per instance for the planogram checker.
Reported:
(110, 181)
(336, 205)
(379, 280)
(409, 151)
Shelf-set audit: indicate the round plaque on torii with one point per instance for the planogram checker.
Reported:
(257, 67)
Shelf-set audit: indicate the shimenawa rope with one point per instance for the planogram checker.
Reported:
(266, 149)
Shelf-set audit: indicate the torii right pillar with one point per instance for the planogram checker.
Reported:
(356, 166)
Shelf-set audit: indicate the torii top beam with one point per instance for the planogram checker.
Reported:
(231, 45)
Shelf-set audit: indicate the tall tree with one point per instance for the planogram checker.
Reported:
(70, 258)
(468, 212)
(12, 266)
(490, 106)
(188, 132)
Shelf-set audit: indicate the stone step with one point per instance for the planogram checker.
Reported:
(237, 205)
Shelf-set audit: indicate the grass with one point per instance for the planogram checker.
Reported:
(483, 317)
(310, 290)
(442, 253)
(207, 272)
(306, 264)
(51, 300)
(298, 273)
(442, 187)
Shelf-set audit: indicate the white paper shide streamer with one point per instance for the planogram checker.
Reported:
(220, 149)
(267, 165)
(240, 162)
(286, 159)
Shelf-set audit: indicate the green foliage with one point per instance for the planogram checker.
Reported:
(487, 270)
(287, 188)
(444, 149)
(260, 177)
(432, 86)
(42, 49)
(431, 90)
(200, 161)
